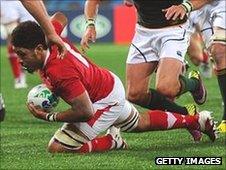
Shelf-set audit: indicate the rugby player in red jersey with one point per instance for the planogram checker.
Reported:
(95, 95)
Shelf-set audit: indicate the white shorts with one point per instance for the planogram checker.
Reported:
(154, 44)
(217, 10)
(198, 19)
(208, 17)
(111, 109)
(13, 11)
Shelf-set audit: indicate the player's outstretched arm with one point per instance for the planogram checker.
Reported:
(81, 111)
(90, 11)
(179, 11)
(38, 11)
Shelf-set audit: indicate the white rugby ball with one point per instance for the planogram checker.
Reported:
(42, 98)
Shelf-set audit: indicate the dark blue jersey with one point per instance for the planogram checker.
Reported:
(150, 13)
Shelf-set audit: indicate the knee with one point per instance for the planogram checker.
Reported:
(218, 49)
(168, 88)
(218, 52)
(53, 146)
(134, 96)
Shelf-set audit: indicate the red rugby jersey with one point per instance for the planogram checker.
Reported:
(71, 76)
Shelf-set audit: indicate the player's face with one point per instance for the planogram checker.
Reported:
(29, 58)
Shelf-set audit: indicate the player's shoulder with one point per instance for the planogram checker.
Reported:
(61, 69)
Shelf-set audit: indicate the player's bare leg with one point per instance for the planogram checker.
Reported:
(171, 82)
(137, 82)
(167, 77)
(195, 49)
(217, 51)
(138, 92)
(199, 55)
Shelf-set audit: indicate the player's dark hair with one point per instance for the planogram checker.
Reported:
(28, 35)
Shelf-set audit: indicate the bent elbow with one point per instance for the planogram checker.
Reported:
(87, 116)
(82, 116)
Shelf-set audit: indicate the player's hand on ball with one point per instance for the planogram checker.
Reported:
(89, 36)
(37, 112)
(174, 12)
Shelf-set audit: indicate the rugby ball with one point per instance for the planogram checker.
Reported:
(42, 98)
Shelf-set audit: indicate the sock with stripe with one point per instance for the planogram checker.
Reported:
(187, 84)
(99, 144)
(160, 120)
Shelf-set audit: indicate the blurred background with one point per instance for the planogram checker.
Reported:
(115, 22)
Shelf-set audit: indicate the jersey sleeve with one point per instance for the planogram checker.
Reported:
(70, 88)
(58, 27)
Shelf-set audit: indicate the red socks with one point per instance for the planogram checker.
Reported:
(16, 67)
(14, 62)
(100, 144)
(160, 120)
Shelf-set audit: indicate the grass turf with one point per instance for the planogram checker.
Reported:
(24, 138)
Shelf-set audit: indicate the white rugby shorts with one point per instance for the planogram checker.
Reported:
(154, 44)
(208, 17)
(111, 109)
(199, 19)
(217, 10)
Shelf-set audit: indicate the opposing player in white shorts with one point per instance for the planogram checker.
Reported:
(157, 43)
(12, 13)
(214, 37)
(95, 95)
(197, 51)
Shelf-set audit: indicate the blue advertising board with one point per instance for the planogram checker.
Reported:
(76, 25)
